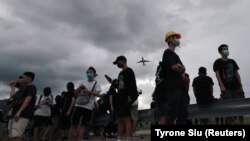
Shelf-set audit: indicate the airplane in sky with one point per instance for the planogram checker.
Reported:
(143, 61)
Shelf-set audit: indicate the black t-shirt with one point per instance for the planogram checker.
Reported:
(67, 100)
(112, 92)
(172, 79)
(29, 110)
(227, 70)
(127, 85)
(202, 85)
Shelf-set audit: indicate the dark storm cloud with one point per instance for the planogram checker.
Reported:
(60, 39)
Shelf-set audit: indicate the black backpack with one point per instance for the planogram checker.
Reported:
(159, 75)
(159, 87)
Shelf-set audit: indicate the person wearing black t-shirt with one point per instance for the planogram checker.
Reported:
(22, 114)
(173, 100)
(203, 90)
(68, 101)
(227, 74)
(203, 87)
(127, 94)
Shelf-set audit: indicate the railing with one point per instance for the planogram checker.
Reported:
(221, 108)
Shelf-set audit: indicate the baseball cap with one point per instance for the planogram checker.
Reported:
(120, 58)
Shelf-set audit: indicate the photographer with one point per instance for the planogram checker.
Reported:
(43, 114)
(23, 106)
(16, 96)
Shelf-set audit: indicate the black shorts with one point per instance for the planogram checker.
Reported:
(80, 116)
(64, 121)
(123, 108)
(175, 107)
(40, 121)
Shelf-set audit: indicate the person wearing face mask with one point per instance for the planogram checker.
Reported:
(127, 94)
(226, 71)
(172, 100)
(86, 95)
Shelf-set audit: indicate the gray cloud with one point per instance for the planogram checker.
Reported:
(60, 39)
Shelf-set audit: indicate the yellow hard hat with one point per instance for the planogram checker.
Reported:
(172, 33)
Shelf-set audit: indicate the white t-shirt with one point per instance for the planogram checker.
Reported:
(44, 110)
(89, 85)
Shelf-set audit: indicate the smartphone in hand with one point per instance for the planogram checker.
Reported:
(108, 78)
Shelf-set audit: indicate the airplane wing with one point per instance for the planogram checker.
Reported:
(146, 61)
(140, 62)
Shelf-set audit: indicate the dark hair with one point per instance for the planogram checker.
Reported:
(202, 70)
(58, 99)
(47, 91)
(30, 75)
(63, 93)
(221, 47)
(92, 68)
(70, 86)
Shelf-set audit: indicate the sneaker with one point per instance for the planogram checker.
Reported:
(110, 136)
(119, 139)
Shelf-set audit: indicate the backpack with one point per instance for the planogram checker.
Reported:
(159, 75)
(103, 103)
(159, 87)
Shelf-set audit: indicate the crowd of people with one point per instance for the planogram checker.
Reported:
(74, 108)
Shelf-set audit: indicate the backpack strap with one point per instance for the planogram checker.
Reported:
(51, 96)
(93, 87)
(40, 99)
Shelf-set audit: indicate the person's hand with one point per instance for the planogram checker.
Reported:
(222, 88)
(68, 113)
(17, 116)
(82, 87)
(112, 108)
(86, 91)
(12, 83)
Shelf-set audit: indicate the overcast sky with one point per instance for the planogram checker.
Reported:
(60, 39)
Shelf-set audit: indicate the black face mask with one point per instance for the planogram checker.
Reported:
(46, 94)
(70, 88)
(119, 65)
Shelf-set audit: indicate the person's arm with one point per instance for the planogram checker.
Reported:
(178, 68)
(23, 106)
(71, 106)
(111, 102)
(78, 90)
(12, 88)
(94, 93)
(222, 87)
(211, 90)
(194, 90)
(238, 77)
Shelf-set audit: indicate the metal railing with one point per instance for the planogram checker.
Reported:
(220, 108)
